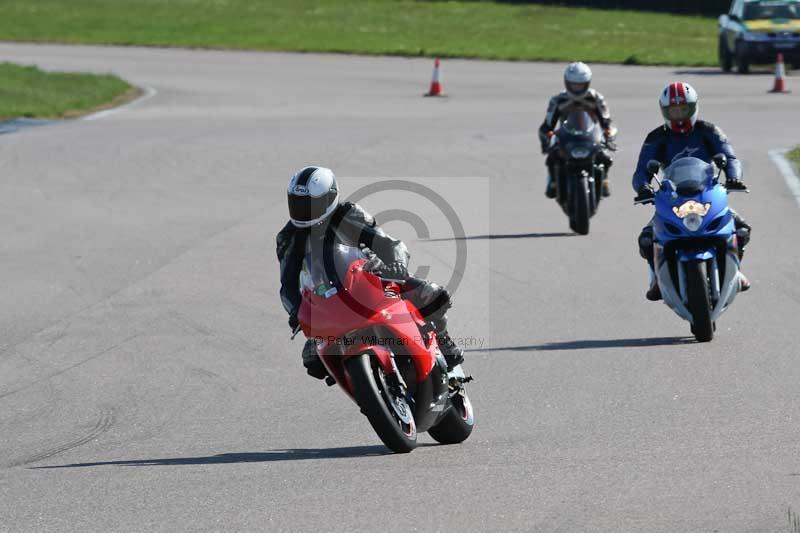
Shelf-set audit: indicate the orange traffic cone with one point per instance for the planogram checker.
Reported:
(780, 75)
(436, 84)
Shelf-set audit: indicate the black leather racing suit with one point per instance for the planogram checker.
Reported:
(350, 224)
(559, 107)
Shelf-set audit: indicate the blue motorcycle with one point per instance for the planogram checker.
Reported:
(695, 248)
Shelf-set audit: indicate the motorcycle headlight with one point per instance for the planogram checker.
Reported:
(693, 221)
(580, 152)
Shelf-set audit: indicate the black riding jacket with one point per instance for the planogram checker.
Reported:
(352, 226)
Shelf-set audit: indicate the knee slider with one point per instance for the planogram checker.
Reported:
(646, 243)
(743, 236)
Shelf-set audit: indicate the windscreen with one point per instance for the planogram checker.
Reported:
(314, 277)
(771, 10)
(689, 174)
(579, 123)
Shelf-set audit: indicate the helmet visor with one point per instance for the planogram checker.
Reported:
(577, 87)
(679, 112)
(308, 208)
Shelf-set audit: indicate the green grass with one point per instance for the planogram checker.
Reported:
(30, 92)
(394, 27)
(794, 156)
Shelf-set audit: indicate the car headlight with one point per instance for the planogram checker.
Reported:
(580, 152)
(693, 221)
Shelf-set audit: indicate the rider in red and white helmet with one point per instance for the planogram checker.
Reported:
(678, 103)
(683, 135)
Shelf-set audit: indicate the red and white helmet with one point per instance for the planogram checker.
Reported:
(679, 106)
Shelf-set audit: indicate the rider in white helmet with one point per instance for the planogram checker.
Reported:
(316, 214)
(577, 95)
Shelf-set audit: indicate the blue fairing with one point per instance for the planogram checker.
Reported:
(692, 189)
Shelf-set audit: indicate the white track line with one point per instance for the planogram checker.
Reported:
(149, 92)
(789, 176)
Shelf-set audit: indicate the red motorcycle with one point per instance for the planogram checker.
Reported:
(381, 351)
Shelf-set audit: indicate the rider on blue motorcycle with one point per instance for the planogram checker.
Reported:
(682, 135)
(316, 214)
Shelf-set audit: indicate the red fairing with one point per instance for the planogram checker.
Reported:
(340, 324)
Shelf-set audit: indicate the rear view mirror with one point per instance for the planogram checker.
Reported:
(721, 160)
(653, 167)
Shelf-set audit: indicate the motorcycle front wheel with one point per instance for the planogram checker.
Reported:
(581, 209)
(699, 300)
(385, 407)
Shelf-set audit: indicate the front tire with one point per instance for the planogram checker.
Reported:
(457, 423)
(699, 301)
(388, 413)
(581, 208)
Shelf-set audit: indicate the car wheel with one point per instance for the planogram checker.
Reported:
(742, 61)
(725, 59)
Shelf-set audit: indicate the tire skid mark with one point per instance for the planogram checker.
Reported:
(103, 424)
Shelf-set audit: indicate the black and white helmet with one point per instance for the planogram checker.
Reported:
(577, 79)
(313, 196)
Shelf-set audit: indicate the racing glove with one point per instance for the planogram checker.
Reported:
(374, 263)
(293, 321)
(547, 145)
(395, 270)
(645, 193)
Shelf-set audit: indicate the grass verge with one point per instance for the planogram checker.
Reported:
(489, 30)
(26, 91)
(794, 156)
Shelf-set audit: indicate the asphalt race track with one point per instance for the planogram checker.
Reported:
(147, 379)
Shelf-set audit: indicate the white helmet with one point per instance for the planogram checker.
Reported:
(577, 78)
(313, 196)
(678, 103)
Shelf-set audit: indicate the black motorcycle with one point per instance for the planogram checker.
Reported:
(579, 173)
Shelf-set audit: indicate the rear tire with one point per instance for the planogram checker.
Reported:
(374, 399)
(457, 423)
(699, 301)
(581, 208)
